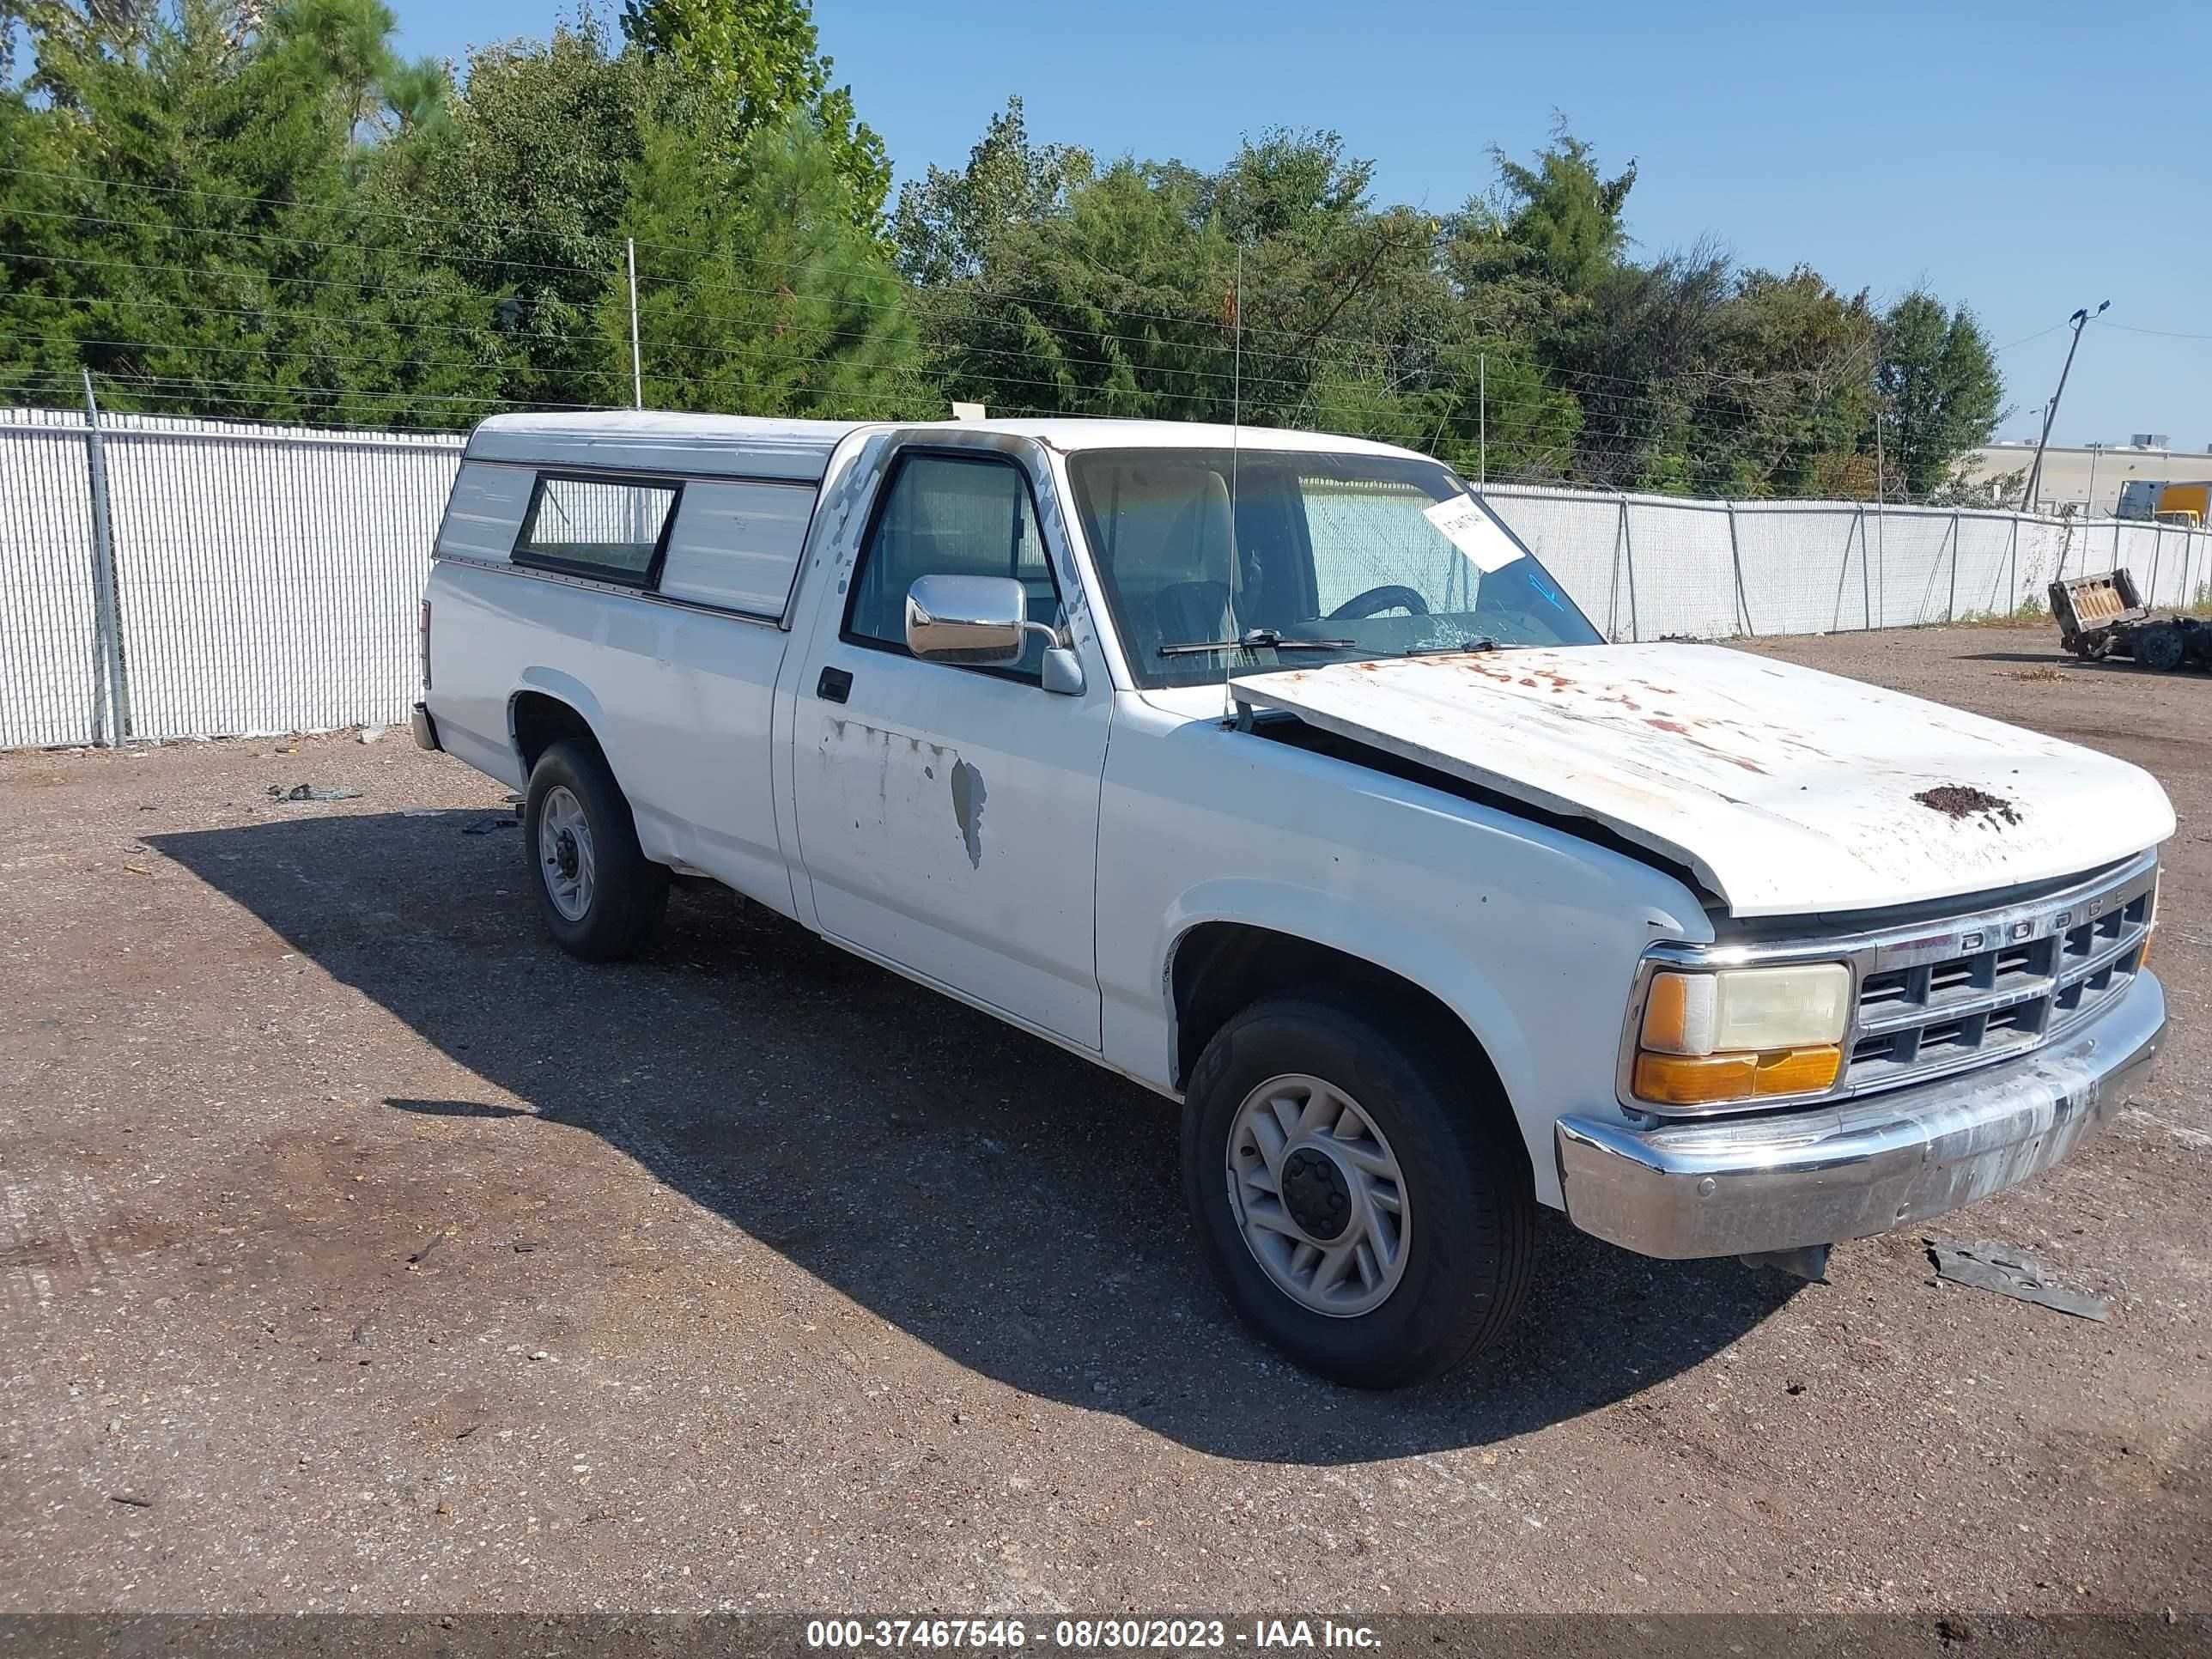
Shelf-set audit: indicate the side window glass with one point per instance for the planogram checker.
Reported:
(951, 516)
(600, 527)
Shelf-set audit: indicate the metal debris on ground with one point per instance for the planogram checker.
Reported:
(311, 792)
(2008, 1271)
(2104, 616)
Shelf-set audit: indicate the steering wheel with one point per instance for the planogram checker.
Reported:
(1380, 598)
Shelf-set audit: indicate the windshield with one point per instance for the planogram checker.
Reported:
(1326, 558)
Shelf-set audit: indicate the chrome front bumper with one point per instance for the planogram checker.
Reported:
(1820, 1175)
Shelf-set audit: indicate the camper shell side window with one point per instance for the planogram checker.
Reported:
(610, 529)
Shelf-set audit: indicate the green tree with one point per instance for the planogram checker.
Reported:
(1125, 292)
(1939, 389)
(759, 294)
(1790, 387)
(759, 62)
(1559, 221)
(947, 223)
(189, 233)
(517, 193)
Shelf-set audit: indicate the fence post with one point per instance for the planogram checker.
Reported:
(1951, 611)
(106, 608)
(1736, 558)
(1628, 548)
(1851, 531)
(2012, 586)
(1613, 597)
(1866, 584)
(2157, 553)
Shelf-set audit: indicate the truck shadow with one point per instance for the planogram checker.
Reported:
(1005, 1202)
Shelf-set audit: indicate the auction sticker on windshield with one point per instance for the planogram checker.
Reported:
(1474, 531)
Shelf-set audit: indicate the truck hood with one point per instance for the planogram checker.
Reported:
(1787, 791)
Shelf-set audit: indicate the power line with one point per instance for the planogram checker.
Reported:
(1592, 400)
(1303, 338)
(255, 394)
(2162, 333)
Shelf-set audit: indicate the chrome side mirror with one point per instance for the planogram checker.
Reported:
(977, 620)
(981, 621)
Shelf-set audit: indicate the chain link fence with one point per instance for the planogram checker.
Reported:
(1645, 566)
(263, 579)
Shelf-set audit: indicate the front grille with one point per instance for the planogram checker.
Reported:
(1987, 987)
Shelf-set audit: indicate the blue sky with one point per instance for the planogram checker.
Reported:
(2026, 157)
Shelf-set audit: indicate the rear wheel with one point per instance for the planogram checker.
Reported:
(601, 896)
(1367, 1211)
(2161, 648)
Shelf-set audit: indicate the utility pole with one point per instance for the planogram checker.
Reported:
(636, 368)
(2035, 472)
(1482, 420)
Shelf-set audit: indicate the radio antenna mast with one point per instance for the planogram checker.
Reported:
(1236, 427)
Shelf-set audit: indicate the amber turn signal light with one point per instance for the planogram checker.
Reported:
(1705, 1080)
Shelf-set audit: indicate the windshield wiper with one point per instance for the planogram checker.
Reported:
(1439, 647)
(1253, 639)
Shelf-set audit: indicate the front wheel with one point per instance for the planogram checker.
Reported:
(1366, 1206)
(601, 896)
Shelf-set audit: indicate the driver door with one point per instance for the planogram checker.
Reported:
(948, 815)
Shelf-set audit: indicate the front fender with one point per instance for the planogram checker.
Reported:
(1419, 955)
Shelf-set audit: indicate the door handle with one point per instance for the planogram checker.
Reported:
(834, 686)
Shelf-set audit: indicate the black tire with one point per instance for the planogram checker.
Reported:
(2163, 648)
(629, 891)
(1467, 1179)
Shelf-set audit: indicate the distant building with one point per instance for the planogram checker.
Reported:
(2070, 469)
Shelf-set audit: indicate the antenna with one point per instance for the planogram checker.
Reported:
(1236, 427)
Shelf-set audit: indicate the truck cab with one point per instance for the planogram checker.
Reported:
(1271, 770)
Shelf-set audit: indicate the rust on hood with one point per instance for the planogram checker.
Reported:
(1785, 790)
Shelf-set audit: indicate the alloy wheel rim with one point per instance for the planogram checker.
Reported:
(1318, 1195)
(565, 853)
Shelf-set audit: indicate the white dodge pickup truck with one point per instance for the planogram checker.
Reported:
(1271, 770)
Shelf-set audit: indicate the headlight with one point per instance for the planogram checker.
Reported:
(1742, 1033)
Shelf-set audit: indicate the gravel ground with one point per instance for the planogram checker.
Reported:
(359, 1250)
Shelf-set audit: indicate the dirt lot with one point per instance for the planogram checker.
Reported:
(357, 1249)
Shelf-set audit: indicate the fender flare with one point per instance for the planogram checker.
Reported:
(568, 689)
(1416, 955)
